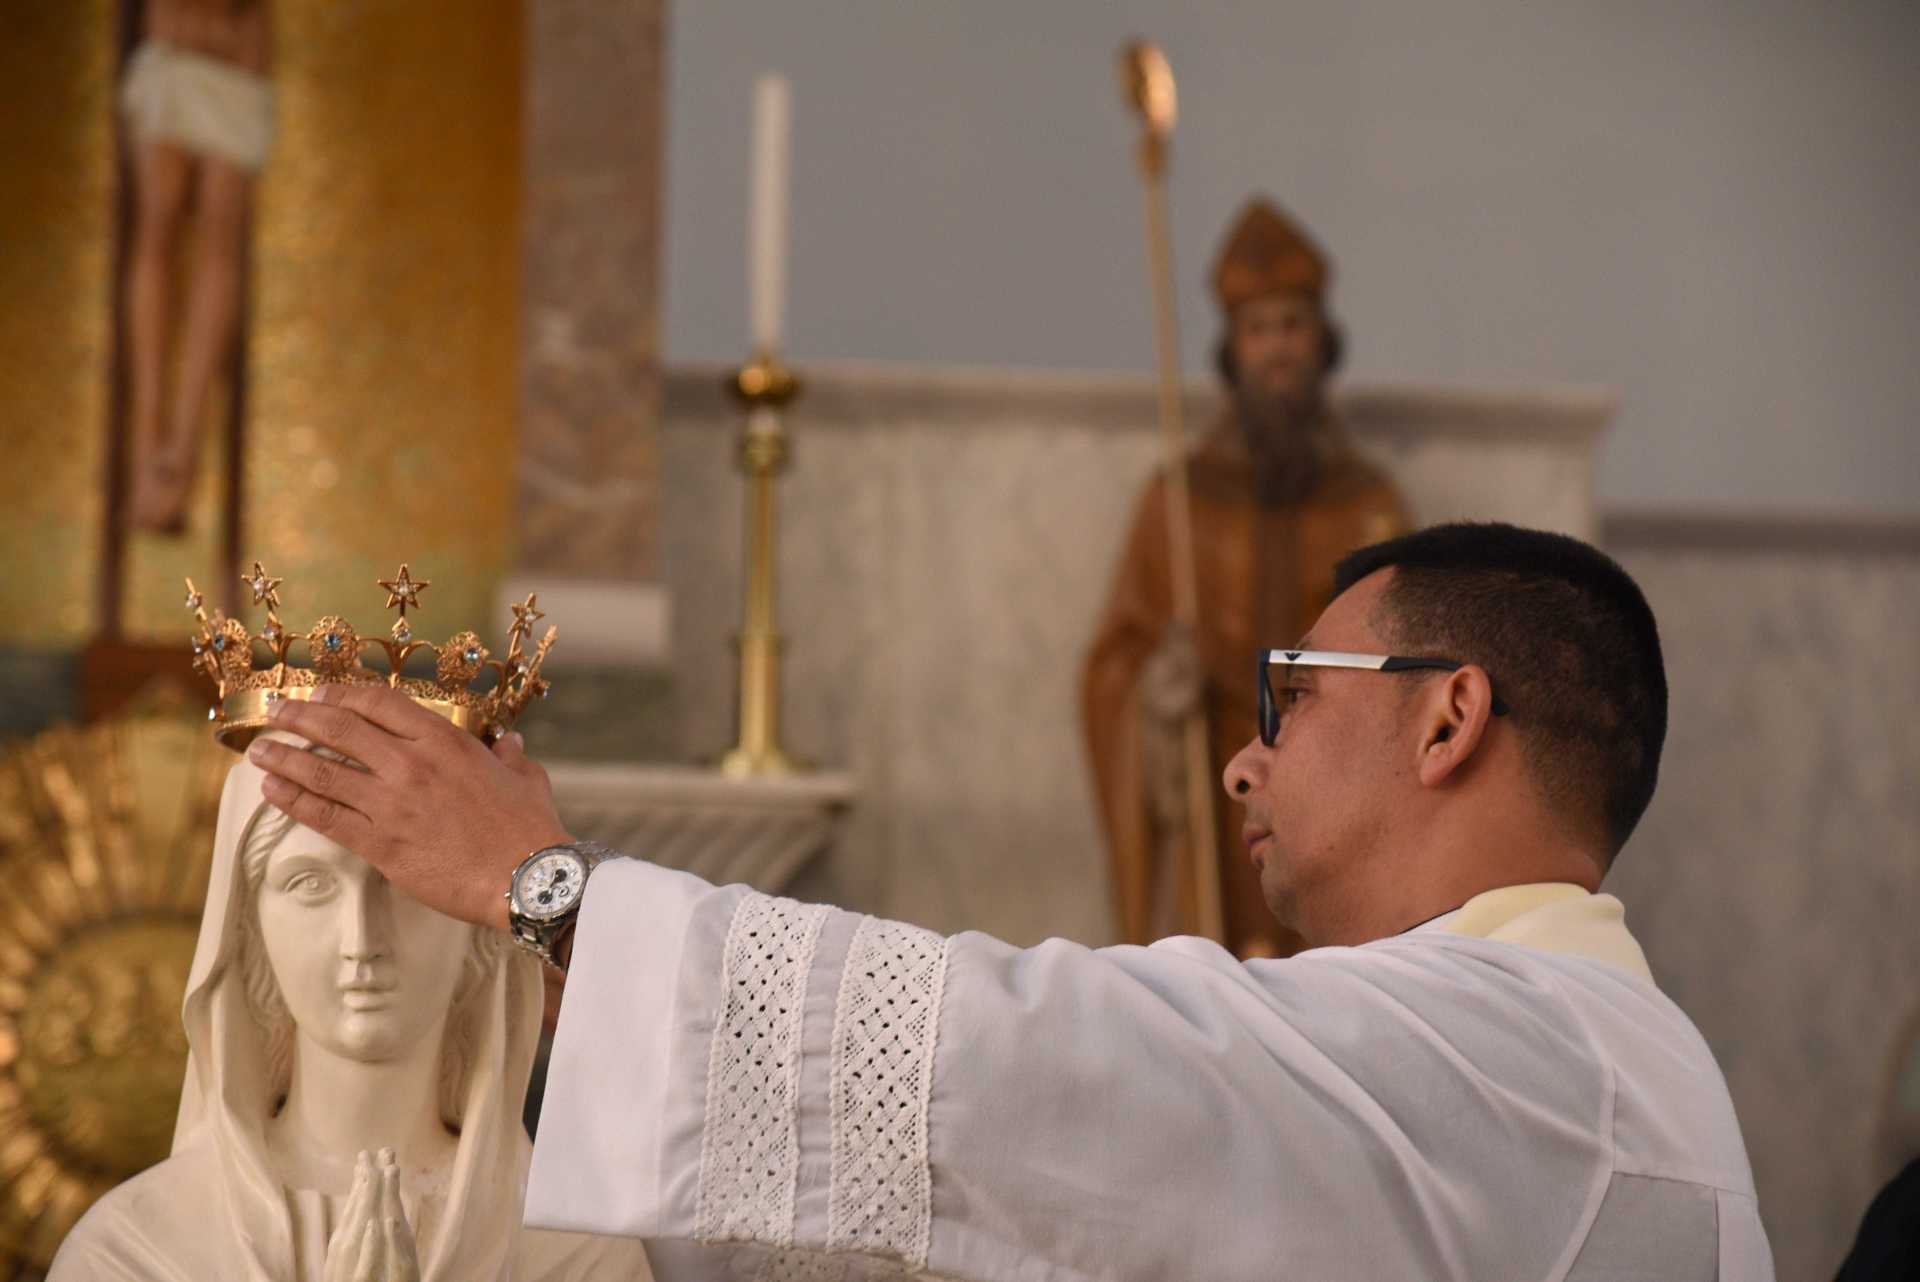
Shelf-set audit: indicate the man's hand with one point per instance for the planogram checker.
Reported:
(443, 818)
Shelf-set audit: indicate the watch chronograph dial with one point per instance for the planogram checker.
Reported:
(550, 885)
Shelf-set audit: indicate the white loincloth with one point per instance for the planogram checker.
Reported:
(198, 102)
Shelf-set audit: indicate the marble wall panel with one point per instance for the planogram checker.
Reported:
(1776, 878)
(588, 468)
(1452, 450)
(947, 540)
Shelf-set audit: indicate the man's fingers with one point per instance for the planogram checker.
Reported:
(322, 814)
(321, 776)
(345, 731)
(511, 752)
(384, 707)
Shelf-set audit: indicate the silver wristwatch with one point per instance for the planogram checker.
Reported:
(543, 900)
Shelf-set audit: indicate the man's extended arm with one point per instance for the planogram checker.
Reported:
(738, 1075)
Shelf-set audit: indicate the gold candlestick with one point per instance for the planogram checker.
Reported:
(764, 386)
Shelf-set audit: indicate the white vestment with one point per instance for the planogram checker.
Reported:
(767, 1089)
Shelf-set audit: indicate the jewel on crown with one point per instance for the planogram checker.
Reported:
(246, 690)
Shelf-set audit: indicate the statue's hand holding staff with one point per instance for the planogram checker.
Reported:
(1172, 681)
(442, 817)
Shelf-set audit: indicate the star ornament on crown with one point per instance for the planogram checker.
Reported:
(247, 689)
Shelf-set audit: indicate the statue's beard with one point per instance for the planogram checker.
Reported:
(1289, 438)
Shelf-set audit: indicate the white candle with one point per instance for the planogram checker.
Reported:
(767, 221)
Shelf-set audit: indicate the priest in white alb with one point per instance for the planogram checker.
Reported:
(1469, 1074)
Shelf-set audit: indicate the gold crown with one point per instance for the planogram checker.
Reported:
(223, 648)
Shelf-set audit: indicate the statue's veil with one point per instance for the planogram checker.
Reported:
(228, 1095)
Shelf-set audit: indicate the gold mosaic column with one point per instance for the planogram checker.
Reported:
(383, 335)
(383, 342)
(56, 261)
(384, 339)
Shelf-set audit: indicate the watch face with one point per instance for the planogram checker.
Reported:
(550, 885)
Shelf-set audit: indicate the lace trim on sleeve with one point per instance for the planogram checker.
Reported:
(802, 1266)
(819, 1266)
(749, 1150)
(880, 1198)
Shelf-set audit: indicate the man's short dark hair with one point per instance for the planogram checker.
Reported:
(1567, 639)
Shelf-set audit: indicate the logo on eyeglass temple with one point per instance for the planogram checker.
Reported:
(1292, 654)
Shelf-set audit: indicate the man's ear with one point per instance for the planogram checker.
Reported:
(1454, 717)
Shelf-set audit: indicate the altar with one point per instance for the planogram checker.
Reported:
(760, 832)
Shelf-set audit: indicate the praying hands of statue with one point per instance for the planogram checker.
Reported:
(445, 819)
(373, 1241)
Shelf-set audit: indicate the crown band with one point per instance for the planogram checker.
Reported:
(245, 713)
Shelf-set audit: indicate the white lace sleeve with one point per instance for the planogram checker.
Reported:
(888, 1015)
(886, 1018)
(750, 1148)
(745, 1081)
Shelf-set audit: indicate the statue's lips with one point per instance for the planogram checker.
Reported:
(366, 996)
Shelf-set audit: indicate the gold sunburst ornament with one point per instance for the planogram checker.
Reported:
(246, 690)
(106, 836)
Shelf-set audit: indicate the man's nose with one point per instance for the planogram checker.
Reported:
(1247, 771)
(363, 935)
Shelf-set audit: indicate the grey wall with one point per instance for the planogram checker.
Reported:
(1704, 206)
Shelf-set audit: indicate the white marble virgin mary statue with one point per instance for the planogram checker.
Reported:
(353, 1093)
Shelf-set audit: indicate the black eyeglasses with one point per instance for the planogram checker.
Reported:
(1270, 710)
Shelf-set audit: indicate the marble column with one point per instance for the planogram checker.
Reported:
(590, 398)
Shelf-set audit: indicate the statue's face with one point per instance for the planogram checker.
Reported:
(1279, 344)
(366, 972)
